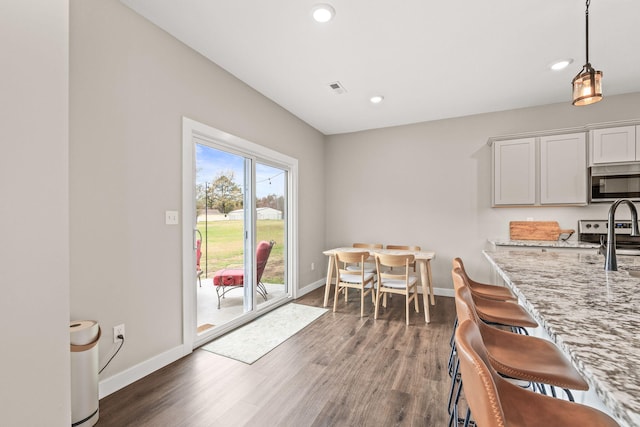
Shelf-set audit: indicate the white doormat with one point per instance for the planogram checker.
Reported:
(257, 338)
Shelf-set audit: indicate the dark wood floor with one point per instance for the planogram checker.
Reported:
(339, 371)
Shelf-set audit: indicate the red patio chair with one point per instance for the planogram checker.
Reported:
(198, 256)
(230, 278)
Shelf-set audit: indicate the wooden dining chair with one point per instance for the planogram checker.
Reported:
(369, 265)
(400, 281)
(350, 273)
(406, 248)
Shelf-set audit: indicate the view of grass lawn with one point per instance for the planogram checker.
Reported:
(222, 246)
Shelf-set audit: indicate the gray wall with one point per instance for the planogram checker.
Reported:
(131, 83)
(429, 184)
(34, 242)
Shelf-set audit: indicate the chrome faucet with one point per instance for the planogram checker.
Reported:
(610, 261)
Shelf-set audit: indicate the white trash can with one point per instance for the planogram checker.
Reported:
(85, 335)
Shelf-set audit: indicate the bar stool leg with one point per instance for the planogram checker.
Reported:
(569, 395)
(453, 416)
(455, 380)
(452, 359)
(452, 340)
(467, 419)
(452, 344)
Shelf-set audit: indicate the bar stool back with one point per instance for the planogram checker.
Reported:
(493, 401)
(494, 292)
(519, 356)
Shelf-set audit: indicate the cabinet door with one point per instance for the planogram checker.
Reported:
(612, 145)
(563, 169)
(514, 172)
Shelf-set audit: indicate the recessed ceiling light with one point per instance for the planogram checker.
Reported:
(561, 64)
(323, 12)
(377, 99)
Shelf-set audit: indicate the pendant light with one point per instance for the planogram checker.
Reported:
(587, 85)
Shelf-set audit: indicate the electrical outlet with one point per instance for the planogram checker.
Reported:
(118, 330)
(313, 266)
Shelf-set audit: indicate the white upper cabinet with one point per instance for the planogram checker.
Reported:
(550, 168)
(563, 169)
(614, 145)
(514, 169)
(537, 171)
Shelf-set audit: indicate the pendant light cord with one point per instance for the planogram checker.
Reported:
(586, 14)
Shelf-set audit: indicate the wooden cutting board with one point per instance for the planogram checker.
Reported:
(537, 230)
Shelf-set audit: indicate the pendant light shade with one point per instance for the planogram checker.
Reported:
(587, 85)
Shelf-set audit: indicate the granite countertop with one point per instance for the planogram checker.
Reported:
(591, 314)
(545, 243)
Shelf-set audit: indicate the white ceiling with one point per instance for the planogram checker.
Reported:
(429, 59)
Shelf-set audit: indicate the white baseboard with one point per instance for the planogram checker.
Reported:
(134, 373)
(444, 292)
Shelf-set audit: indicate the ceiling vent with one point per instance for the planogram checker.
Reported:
(337, 88)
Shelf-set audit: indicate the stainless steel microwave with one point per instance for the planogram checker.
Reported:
(612, 182)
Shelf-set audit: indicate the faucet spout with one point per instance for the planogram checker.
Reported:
(611, 262)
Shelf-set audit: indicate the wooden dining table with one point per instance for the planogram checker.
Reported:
(423, 262)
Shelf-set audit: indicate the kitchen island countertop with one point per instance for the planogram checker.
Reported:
(569, 244)
(591, 314)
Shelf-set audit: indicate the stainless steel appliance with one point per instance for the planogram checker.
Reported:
(595, 231)
(611, 182)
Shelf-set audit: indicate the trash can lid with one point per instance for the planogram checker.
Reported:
(83, 332)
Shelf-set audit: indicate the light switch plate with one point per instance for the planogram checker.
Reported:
(171, 218)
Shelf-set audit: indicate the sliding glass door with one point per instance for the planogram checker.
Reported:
(240, 252)
(221, 229)
(271, 218)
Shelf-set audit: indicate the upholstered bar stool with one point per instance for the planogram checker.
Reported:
(520, 356)
(491, 292)
(499, 313)
(493, 401)
(494, 292)
(504, 313)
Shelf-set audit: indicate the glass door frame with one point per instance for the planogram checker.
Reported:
(191, 130)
